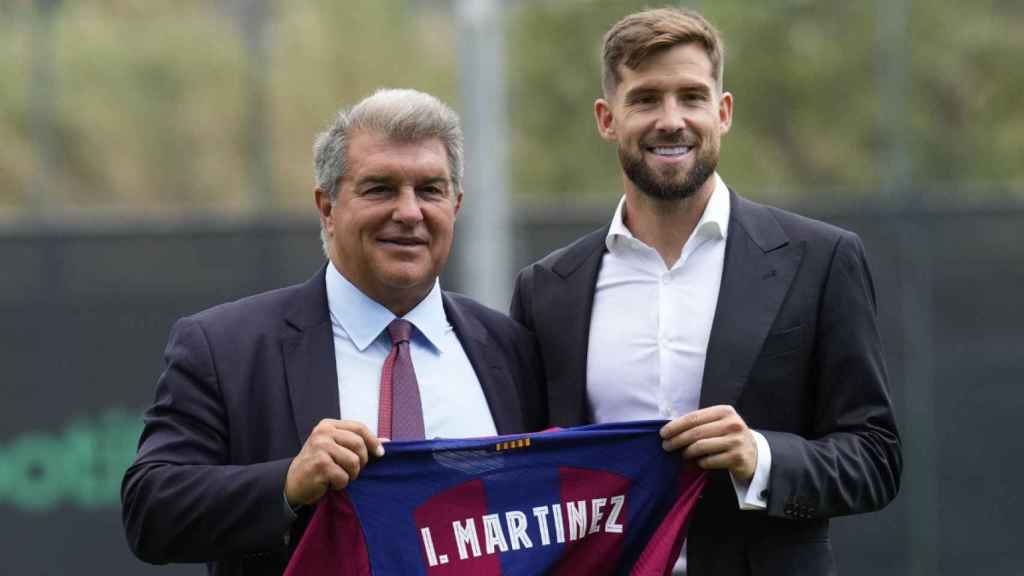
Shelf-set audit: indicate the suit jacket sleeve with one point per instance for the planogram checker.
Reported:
(519, 308)
(530, 357)
(181, 499)
(521, 311)
(852, 461)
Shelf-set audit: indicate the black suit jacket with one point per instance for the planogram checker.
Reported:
(794, 347)
(243, 386)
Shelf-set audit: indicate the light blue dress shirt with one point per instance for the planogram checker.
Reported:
(453, 402)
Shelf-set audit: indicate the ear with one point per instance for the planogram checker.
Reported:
(605, 120)
(324, 208)
(458, 203)
(725, 112)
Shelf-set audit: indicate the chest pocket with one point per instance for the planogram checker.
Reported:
(782, 342)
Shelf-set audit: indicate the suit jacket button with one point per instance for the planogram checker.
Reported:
(764, 494)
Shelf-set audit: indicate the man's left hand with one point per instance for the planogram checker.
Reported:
(716, 438)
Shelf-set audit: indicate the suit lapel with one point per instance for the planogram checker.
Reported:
(490, 367)
(565, 332)
(308, 350)
(760, 264)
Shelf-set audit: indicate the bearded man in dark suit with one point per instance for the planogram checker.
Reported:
(751, 329)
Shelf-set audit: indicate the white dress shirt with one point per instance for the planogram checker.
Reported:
(453, 402)
(650, 326)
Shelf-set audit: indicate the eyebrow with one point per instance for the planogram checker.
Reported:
(640, 91)
(654, 86)
(372, 179)
(434, 180)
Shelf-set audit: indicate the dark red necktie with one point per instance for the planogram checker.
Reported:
(401, 414)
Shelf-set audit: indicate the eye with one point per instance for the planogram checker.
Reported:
(645, 100)
(432, 191)
(378, 190)
(694, 97)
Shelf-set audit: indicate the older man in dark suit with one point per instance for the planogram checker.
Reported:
(268, 402)
(751, 329)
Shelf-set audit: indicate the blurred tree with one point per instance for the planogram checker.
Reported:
(16, 151)
(153, 104)
(554, 52)
(804, 78)
(808, 114)
(329, 54)
(146, 106)
(968, 128)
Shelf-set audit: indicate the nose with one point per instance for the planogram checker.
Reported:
(407, 207)
(670, 117)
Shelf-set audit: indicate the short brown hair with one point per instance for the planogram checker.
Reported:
(637, 36)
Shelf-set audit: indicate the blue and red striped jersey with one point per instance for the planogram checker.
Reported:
(601, 499)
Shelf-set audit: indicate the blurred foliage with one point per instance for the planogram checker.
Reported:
(144, 104)
(810, 117)
(330, 54)
(134, 105)
(149, 100)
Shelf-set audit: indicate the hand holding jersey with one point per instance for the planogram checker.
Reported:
(715, 438)
(331, 457)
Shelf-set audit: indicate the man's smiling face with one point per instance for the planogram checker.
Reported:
(667, 117)
(390, 229)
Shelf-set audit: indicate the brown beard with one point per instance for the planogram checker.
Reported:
(653, 185)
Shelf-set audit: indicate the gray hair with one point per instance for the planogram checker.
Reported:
(402, 115)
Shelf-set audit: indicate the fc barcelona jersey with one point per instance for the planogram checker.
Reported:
(602, 499)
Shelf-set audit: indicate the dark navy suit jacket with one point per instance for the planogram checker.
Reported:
(243, 386)
(794, 347)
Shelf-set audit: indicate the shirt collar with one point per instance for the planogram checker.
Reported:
(364, 319)
(713, 222)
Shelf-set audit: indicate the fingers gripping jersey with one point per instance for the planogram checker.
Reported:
(603, 499)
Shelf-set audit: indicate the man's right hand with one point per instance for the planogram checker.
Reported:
(332, 457)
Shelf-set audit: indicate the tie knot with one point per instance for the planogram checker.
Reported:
(400, 330)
